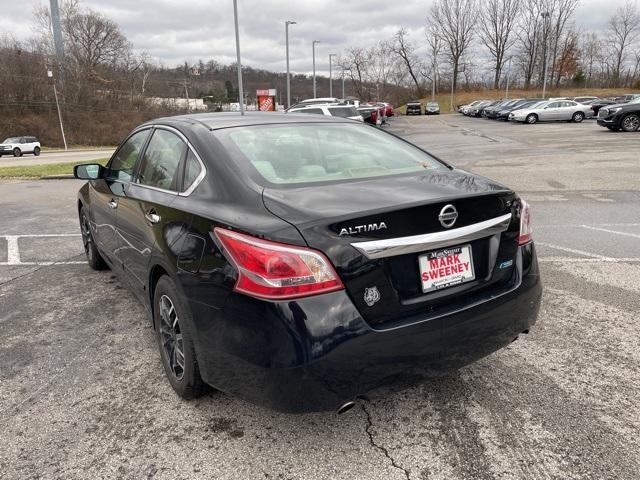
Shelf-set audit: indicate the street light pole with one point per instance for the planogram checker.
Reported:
(313, 50)
(331, 55)
(286, 36)
(343, 84)
(545, 15)
(55, 94)
(240, 89)
(506, 93)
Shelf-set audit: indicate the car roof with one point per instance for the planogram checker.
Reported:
(217, 120)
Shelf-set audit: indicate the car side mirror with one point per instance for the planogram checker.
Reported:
(88, 171)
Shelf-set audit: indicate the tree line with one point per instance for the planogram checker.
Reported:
(478, 44)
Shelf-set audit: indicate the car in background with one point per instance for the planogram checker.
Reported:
(552, 111)
(597, 104)
(388, 109)
(17, 146)
(432, 108)
(478, 110)
(464, 109)
(300, 261)
(330, 109)
(584, 99)
(370, 114)
(629, 97)
(316, 101)
(625, 117)
(382, 110)
(414, 108)
(504, 112)
(490, 111)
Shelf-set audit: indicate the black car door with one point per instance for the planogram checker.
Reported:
(144, 212)
(107, 192)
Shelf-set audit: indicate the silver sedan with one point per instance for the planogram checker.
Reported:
(552, 111)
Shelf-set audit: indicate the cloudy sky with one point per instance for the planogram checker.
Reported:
(172, 31)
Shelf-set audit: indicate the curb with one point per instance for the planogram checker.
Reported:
(63, 176)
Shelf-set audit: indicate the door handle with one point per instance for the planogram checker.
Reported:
(113, 204)
(152, 217)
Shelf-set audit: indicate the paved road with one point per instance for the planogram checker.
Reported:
(83, 393)
(55, 157)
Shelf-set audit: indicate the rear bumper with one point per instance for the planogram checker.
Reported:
(316, 353)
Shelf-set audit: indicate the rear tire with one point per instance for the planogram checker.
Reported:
(36, 151)
(532, 118)
(172, 322)
(577, 117)
(95, 260)
(630, 123)
(17, 152)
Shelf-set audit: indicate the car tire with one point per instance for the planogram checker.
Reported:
(36, 151)
(577, 117)
(531, 119)
(630, 123)
(94, 258)
(172, 322)
(17, 152)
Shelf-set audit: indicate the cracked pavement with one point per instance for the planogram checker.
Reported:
(83, 394)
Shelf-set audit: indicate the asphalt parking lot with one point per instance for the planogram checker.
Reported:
(83, 393)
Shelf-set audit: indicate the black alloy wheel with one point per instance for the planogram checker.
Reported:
(630, 123)
(95, 260)
(172, 321)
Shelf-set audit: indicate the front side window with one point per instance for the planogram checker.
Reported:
(161, 159)
(124, 161)
(310, 153)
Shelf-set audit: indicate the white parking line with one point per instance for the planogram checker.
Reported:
(576, 251)
(13, 250)
(588, 260)
(624, 234)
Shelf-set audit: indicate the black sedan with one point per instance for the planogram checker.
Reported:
(299, 262)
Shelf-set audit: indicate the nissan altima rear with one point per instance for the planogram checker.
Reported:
(320, 258)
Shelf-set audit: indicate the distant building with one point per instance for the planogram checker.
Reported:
(195, 104)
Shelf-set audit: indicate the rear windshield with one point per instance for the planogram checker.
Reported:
(324, 152)
(343, 111)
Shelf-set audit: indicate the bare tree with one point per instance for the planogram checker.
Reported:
(624, 28)
(455, 20)
(405, 50)
(530, 38)
(560, 13)
(434, 42)
(497, 22)
(355, 62)
(591, 47)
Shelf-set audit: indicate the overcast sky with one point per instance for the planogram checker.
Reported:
(172, 31)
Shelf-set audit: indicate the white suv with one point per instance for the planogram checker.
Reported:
(330, 109)
(19, 145)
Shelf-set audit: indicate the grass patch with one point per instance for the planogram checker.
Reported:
(38, 171)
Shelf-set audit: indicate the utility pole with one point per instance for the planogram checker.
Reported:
(186, 94)
(506, 93)
(57, 37)
(55, 94)
(546, 16)
(453, 74)
(240, 89)
(343, 84)
(331, 55)
(313, 50)
(286, 39)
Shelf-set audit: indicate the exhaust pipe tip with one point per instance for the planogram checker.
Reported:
(346, 407)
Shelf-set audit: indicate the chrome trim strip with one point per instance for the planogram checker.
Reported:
(429, 241)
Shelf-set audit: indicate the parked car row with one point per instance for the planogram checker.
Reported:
(415, 108)
(373, 113)
(616, 113)
(529, 110)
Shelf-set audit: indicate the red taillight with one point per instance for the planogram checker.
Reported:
(525, 224)
(374, 116)
(277, 271)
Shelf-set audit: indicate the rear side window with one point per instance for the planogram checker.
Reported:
(122, 164)
(161, 159)
(191, 170)
(343, 111)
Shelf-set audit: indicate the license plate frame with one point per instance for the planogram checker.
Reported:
(450, 259)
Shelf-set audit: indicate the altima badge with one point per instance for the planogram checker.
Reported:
(371, 296)
(448, 216)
